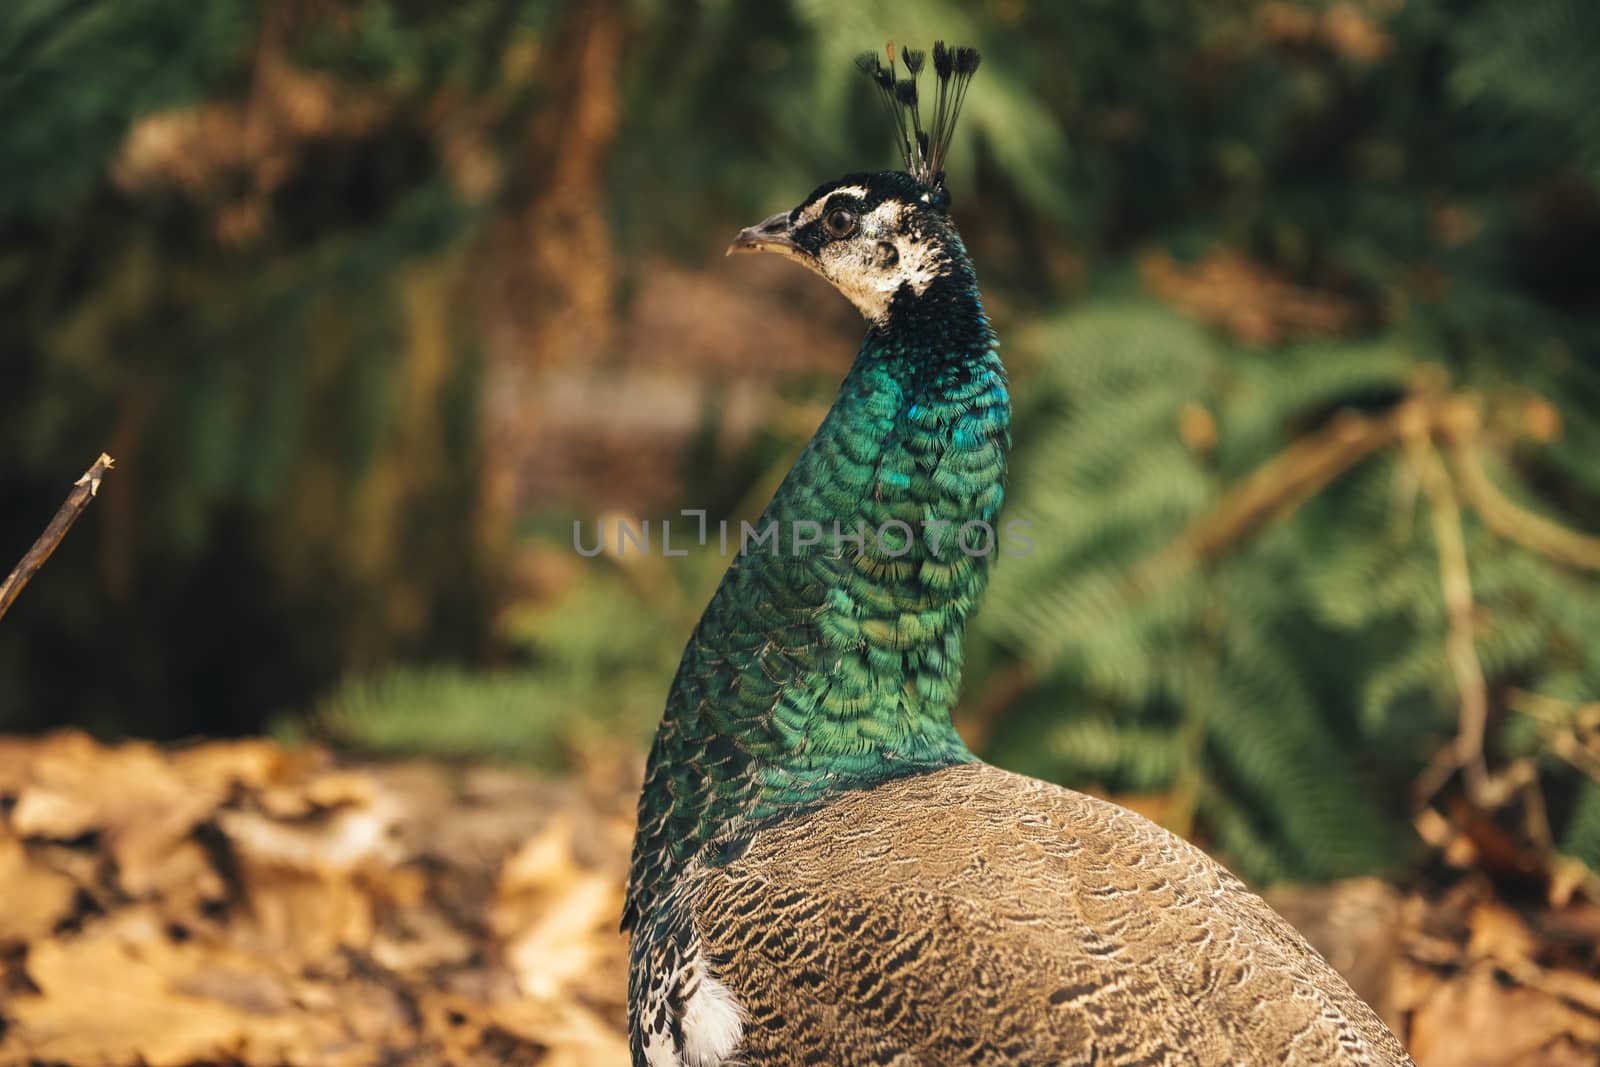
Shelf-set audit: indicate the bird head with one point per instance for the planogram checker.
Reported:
(877, 238)
(884, 239)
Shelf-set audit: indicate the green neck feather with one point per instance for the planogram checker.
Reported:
(837, 665)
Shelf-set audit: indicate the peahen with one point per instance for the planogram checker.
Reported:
(823, 873)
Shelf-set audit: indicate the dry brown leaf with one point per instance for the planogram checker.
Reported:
(1410, 985)
(185, 871)
(251, 763)
(568, 939)
(44, 812)
(552, 915)
(577, 1037)
(1476, 1021)
(402, 913)
(428, 943)
(281, 911)
(341, 842)
(141, 801)
(36, 897)
(304, 916)
(320, 795)
(1501, 937)
(1581, 990)
(1347, 29)
(1353, 33)
(123, 993)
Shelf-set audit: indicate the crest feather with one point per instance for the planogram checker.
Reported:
(923, 151)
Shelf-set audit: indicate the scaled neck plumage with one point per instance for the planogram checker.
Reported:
(835, 664)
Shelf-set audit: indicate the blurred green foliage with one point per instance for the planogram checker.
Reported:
(1207, 232)
(595, 656)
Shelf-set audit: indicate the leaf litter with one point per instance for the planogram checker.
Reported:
(240, 903)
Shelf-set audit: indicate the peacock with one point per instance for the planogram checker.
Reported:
(823, 873)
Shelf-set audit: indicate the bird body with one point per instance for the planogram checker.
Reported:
(973, 916)
(827, 667)
(823, 873)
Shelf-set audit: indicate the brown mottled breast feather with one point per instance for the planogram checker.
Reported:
(973, 916)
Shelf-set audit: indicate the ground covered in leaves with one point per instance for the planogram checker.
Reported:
(239, 903)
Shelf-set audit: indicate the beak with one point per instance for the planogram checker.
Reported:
(769, 236)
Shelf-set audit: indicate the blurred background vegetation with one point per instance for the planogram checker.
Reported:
(371, 299)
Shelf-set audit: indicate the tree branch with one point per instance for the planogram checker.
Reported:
(1455, 580)
(83, 491)
(1272, 492)
(1304, 468)
(1506, 518)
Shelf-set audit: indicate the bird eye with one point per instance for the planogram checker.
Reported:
(840, 222)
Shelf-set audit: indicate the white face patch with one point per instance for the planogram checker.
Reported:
(871, 265)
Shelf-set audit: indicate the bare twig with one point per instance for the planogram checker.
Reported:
(1535, 813)
(1288, 480)
(1466, 752)
(1271, 492)
(1570, 731)
(1303, 469)
(83, 491)
(1274, 491)
(1501, 514)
